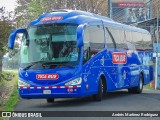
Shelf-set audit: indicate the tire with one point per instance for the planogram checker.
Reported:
(50, 100)
(139, 88)
(98, 96)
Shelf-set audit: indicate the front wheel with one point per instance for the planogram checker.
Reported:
(139, 88)
(50, 100)
(98, 96)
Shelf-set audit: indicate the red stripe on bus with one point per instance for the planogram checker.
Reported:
(42, 87)
(35, 87)
(74, 86)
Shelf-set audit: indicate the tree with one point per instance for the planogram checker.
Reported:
(28, 10)
(5, 28)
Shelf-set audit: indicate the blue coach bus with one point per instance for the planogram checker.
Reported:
(71, 53)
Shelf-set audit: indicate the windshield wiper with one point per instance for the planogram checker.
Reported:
(49, 63)
(29, 66)
(68, 65)
(26, 68)
(55, 64)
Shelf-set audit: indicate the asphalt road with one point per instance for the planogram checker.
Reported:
(115, 101)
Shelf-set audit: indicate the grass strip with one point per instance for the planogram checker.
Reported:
(12, 101)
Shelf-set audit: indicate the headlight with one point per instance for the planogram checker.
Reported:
(21, 83)
(76, 81)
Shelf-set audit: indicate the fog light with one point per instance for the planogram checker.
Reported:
(70, 90)
(87, 86)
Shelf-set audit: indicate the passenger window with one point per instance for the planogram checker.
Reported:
(130, 46)
(96, 37)
(137, 40)
(121, 40)
(147, 42)
(93, 41)
(128, 40)
(115, 38)
(146, 37)
(128, 36)
(110, 38)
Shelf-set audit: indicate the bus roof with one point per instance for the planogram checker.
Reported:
(80, 17)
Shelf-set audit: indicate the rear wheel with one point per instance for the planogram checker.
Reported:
(50, 100)
(98, 96)
(139, 88)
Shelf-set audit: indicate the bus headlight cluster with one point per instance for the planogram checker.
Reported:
(22, 83)
(76, 81)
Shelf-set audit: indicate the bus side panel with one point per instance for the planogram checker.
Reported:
(100, 64)
(90, 74)
(113, 72)
(123, 75)
(135, 65)
(147, 68)
(94, 68)
(117, 76)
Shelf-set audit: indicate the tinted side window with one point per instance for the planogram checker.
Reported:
(93, 41)
(128, 40)
(128, 36)
(147, 42)
(95, 36)
(111, 41)
(137, 40)
(121, 41)
(115, 38)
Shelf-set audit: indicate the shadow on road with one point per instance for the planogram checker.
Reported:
(65, 102)
(118, 100)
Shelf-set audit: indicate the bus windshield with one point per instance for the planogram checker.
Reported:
(49, 44)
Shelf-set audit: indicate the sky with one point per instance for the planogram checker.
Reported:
(8, 4)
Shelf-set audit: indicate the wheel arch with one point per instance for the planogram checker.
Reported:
(104, 81)
(141, 73)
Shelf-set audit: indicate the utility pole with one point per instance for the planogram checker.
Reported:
(150, 15)
(110, 8)
(156, 67)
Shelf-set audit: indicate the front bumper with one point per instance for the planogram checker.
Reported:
(55, 92)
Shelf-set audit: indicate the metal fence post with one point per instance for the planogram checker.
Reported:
(110, 8)
(156, 67)
(150, 15)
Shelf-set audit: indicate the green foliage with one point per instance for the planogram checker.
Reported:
(148, 87)
(8, 83)
(10, 91)
(12, 101)
(5, 27)
(11, 63)
(4, 76)
(28, 10)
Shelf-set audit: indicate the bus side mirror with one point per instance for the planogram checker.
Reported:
(12, 37)
(80, 32)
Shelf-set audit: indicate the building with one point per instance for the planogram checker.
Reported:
(155, 7)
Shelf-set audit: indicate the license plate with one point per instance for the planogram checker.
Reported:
(46, 91)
